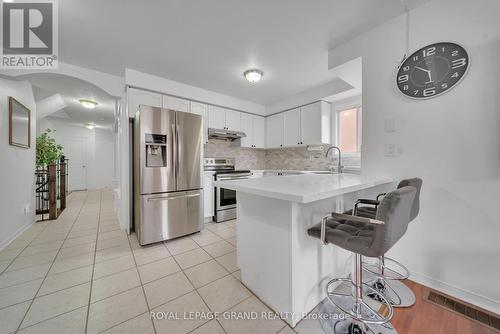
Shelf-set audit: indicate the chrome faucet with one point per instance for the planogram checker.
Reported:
(340, 168)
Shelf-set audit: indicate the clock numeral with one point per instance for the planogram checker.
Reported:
(454, 53)
(454, 75)
(406, 68)
(443, 49)
(415, 92)
(429, 91)
(415, 58)
(406, 87)
(429, 51)
(403, 78)
(458, 63)
(444, 86)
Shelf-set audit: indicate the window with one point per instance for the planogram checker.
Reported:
(349, 130)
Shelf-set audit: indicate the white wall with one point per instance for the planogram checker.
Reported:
(17, 166)
(99, 150)
(451, 141)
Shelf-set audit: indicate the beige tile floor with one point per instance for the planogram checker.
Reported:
(82, 274)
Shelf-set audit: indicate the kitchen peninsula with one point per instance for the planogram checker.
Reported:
(282, 265)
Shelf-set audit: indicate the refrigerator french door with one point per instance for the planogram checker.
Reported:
(168, 194)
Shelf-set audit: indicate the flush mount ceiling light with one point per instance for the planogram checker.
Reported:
(90, 126)
(253, 75)
(89, 104)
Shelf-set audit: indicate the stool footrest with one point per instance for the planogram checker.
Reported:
(342, 298)
(393, 270)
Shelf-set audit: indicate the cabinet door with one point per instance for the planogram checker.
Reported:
(201, 109)
(136, 97)
(248, 128)
(292, 127)
(208, 195)
(233, 120)
(274, 131)
(259, 131)
(316, 123)
(216, 117)
(175, 103)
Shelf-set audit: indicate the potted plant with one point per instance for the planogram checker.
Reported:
(47, 150)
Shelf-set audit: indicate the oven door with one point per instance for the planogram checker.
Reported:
(226, 198)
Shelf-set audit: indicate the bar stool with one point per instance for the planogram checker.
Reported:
(387, 273)
(364, 237)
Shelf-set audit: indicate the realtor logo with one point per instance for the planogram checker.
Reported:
(29, 34)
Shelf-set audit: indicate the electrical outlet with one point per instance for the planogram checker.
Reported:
(390, 150)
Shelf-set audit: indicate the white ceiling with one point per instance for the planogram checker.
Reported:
(46, 87)
(210, 43)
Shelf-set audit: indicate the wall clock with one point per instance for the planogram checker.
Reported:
(432, 70)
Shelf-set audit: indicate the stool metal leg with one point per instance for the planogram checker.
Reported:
(355, 314)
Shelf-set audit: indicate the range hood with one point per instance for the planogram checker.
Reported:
(223, 134)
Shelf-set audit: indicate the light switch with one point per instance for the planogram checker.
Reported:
(390, 125)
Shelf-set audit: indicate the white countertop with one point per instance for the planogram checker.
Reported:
(303, 188)
(301, 171)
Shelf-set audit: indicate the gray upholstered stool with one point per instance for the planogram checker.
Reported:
(386, 272)
(364, 237)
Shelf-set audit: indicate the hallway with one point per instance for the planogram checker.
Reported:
(82, 274)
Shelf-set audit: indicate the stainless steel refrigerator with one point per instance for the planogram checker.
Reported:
(168, 194)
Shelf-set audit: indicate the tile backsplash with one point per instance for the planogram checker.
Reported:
(296, 158)
(246, 158)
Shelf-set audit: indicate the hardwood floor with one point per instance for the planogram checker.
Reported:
(426, 318)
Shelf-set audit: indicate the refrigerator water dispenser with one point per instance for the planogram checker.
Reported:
(156, 150)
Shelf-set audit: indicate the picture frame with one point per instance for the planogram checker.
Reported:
(19, 124)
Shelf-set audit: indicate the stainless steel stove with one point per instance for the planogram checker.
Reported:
(225, 199)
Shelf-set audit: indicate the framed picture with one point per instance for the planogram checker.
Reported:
(19, 124)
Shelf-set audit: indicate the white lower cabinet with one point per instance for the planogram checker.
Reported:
(208, 196)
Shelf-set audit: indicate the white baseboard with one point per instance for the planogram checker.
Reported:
(9, 239)
(454, 291)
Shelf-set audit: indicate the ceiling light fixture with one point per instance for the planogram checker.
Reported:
(90, 126)
(253, 75)
(89, 104)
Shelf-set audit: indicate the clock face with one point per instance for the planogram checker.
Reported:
(432, 70)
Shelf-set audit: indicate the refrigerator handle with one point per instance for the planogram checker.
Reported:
(172, 197)
(179, 154)
(174, 154)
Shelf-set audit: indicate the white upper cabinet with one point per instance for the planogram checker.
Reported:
(222, 118)
(255, 128)
(175, 103)
(316, 123)
(201, 109)
(259, 131)
(247, 128)
(216, 117)
(292, 127)
(233, 120)
(137, 97)
(275, 130)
